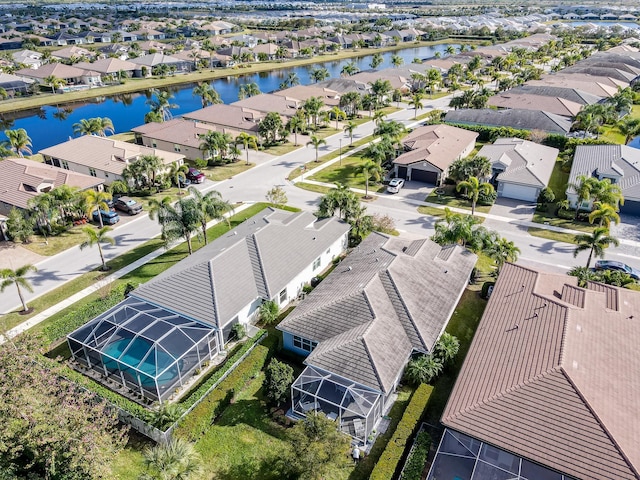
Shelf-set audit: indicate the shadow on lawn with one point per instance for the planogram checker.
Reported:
(274, 468)
(253, 413)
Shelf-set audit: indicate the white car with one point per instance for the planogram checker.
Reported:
(395, 185)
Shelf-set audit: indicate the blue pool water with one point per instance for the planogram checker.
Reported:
(155, 362)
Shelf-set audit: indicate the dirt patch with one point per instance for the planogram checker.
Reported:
(14, 256)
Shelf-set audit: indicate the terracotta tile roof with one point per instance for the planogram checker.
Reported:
(109, 65)
(232, 116)
(556, 105)
(553, 375)
(268, 102)
(22, 179)
(180, 131)
(58, 70)
(439, 145)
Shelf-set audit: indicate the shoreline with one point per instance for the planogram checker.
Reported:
(140, 85)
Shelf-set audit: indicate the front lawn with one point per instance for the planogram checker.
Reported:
(449, 199)
(346, 172)
(550, 235)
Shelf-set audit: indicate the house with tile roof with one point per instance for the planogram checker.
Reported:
(618, 163)
(73, 76)
(22, 179)
(270, 256)
(549, 387)
(429, 151)
(235, 117)
(513, 117)
(102, 157)
(390, 297)
(520, 168)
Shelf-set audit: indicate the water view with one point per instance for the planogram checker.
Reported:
(51, 125)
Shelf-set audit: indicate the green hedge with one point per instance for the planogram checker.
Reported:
(489, 134)
(198, 421)
(390, 458)
(417, 458)
(63, 326)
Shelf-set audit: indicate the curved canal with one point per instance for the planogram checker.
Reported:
(52, 125)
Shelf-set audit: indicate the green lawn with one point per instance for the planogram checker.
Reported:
(229, 170)
(549, 235)
(282, 149)
(449, 199)
(347, 172)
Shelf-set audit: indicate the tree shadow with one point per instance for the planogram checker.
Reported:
(276, 468)
(253, 413)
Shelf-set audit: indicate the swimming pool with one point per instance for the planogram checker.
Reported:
(133, 361)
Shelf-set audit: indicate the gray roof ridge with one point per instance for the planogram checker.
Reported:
(406, 309)
(526, 164)
(602, 425)
(371, 359)
(213, 293)
(252, 244)
(324, 306)
(338, 345)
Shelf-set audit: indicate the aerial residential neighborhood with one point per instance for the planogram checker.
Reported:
(319, 240)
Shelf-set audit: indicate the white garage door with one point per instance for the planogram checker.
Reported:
(519, 192)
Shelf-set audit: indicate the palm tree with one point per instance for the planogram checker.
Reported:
(338, 114)
(181, 220)
(96, 237)
(416, 103)
(175, 460)
(502, 251)
(316, 143)
(396, 60)
(247, 141)
(95, 200)
(210, 206)
(595, 243)
(606, 192)
(295, 126)
(349, 129)
(629, 127)
(178, 174)
(207, 93)
(158, 209)
(85, 127)
(422, 369)
(17, 277)
(605, 214)
(450, 50)
(19, 141)
(446, 348)
(371, 171)
(54, 82)
(583, 187)
(161, 103)
(319, 74)
(473, 188)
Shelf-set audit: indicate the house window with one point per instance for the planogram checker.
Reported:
(153, 144)
(304, 344)
(316, 264)
(65, 164)
(176, 148)
(283, 296)
(92, 172)
(328, 251)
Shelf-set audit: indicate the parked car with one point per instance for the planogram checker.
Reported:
(619, 266)
(127, 204)
(108, 217)
(395, 185)
(184, 182)
(196, 176)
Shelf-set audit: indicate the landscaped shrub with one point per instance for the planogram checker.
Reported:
(65, 325)
(490, 134)
(487, 199)
(387, 465)
(196, 423)
(417, 458)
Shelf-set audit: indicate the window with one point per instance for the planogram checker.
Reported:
(316, 264)
(328, 251)
(92, 172)
(176, 147)
(283, 296)
(65, 164)
(153, 144)
(304, 344)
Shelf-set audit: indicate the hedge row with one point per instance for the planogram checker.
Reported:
(63, 326)
(390, 458)
(199, 420)
(417, 458)
(490, 134)
(192, 397)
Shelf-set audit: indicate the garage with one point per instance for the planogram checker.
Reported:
(424, 176)
(630, 207)
(402, 172)
(519, 192)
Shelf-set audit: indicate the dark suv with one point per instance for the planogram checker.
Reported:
(108, 218)
(196, 176)
(127, 204)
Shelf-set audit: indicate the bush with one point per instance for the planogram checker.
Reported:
(268, 312)
(487, 198)
(238, 331)
(566, 214)
(417, 458)
(490, 134)
(546, 196)
(392, 454)
(200, 163)
(277, 381)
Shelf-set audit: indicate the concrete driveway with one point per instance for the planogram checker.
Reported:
(413, 191)
(628, 229)
(511, 209)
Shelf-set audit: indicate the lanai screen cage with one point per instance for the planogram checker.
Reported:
(356, 408)
(145, 348)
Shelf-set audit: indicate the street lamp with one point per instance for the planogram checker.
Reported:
(340, 152)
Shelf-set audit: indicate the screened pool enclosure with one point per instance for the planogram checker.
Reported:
(145, 348)
(354, 407)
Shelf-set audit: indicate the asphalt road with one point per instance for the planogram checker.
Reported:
(251, 186)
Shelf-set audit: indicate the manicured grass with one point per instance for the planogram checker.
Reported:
(229, 170)
(564, 223)
(549, 235)
(322, 189)
(58, 243)
(129, 463)
(283, 149)
(611, 134)
(347, 173)
(324, 132)
(449, 199)
(124, 137)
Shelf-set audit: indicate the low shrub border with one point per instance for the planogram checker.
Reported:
(417, 457)
(390, 458)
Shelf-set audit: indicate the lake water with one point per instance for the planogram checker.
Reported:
(51, 125)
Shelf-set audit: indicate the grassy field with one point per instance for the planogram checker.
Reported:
(449, 199)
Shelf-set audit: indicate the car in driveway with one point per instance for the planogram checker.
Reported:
(196, 176)
(108, 217)
(127, 204)
(618, 266)
(395, 185)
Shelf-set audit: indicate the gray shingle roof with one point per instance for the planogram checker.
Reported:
(255, 260)
(516, 118)
(377, 306)
(571, 94)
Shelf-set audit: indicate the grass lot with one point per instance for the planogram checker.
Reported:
(549, 235)
(283, 149)
(347, 173)
(449, 199)
(229, 170)
(56, 244)
(124, 137)
(612, 134)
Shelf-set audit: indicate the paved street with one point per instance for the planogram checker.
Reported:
(252, 186)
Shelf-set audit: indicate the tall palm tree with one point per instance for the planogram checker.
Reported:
(85, 127)
(605, 214)
(94, 200)
(178, 174)
(416, 103)
(584, 187)
(181, 220)
(371, 171)
(247, 141)
(502, 251)
(96, 237)
(207, 94)
(316, 143)
(151, 165)
(54, 82)
(396, 60)
(19, 141)
(104, 125)
(606, 192)
(349, 128)
(379, 117)
(210, 206)
(473, 188)
(160, 102)
(338, 114)
(629, 127)
(17, 277)
(295, 126)
(158, 209)
(595, 243)
(319, 74)
(175, 460)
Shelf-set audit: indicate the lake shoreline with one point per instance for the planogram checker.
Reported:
(141, 85)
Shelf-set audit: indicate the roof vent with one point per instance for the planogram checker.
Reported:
(349, 268)
(314, 238)
(235, 233)
(377, 259)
